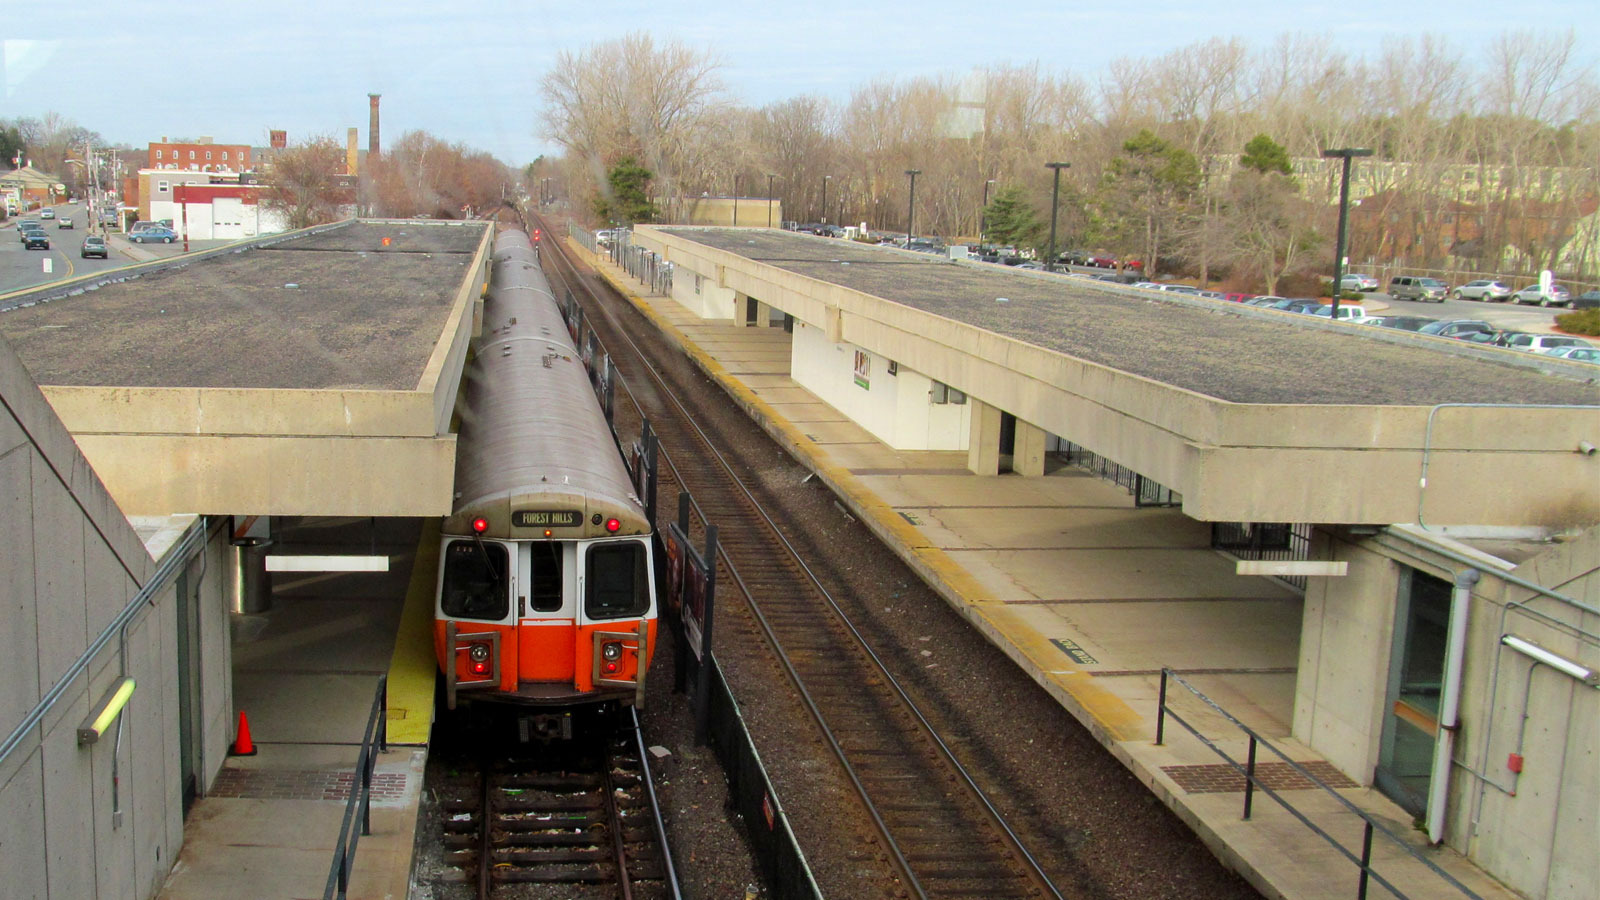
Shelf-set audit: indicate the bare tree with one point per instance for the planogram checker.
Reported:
(306, 184)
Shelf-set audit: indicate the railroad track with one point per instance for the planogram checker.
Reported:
(573, 821)
(936, 826)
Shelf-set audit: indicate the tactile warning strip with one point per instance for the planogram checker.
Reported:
(1223, 778)
(301, 784)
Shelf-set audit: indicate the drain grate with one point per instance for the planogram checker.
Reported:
(1222, 778)
(301, 784)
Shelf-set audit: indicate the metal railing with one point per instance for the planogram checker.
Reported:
(1252, 783)
(1265, 540)
(1145, 491)
(344, 856)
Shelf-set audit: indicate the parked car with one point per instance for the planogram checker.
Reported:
(64, 222)
(1556, 296)
(1587, 300)
(1581, 354)
(1296, 304)
(153, 234)
(1410, 287)
(1542, 342)
(47, 213)
(1354, 281)
(1347, 312)
(1483, 289)
(1211, 295)
(1101, 262)
(1455, 328)
(93, 245)
(142, 225)
(1407, 323)
(1238, 298)
(35, 240)
(1264, 300)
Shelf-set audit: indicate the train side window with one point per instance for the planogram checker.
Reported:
(475, 581)
(616, 583)
(545, 575)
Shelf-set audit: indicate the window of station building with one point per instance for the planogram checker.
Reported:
(944, 393)
(616, 580)
(697, 280)
(474, 584)
(545, 575)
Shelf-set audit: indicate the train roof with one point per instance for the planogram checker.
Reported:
(533, 436)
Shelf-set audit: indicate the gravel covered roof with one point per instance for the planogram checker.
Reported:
(331, 310)
(1216, 352)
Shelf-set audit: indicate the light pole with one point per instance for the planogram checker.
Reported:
(1346, 154)
(1055, 196)
(770, 176)
(911, 206)
(983, 213)
(825, 198)
(736, 201)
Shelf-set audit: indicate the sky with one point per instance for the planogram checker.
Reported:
(468, 70)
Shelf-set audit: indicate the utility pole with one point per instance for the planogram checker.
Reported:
(1055, 198)
(1346, 154)
(911, 206)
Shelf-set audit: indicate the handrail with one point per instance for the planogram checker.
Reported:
(1364, 861)
(344, 855)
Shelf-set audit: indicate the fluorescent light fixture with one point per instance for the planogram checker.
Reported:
(299, 563)
(1292, 567)
(1559, 663)
(110, 707)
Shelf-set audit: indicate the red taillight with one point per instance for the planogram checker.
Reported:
(480, 668)
(480, 525)
(612, 668)
(536, 235)
(613, 526)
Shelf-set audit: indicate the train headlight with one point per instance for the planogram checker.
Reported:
(611, 651)
(479, 653)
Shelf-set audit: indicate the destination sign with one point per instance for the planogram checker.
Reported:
(546, 518)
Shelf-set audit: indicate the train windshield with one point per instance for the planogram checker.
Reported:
(475, 581)
(544, 566)
(617, 580)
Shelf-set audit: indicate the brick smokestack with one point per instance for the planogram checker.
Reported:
(372, 127)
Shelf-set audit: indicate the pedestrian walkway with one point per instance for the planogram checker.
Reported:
(305, 672)
(1092, 597)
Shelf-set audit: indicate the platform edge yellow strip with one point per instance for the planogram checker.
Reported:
(412, 667)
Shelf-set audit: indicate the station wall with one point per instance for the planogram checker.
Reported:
(1537, 831)
(71, 565)
(897, 409)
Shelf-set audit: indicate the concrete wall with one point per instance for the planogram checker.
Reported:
(751, 211)
(71, 563)
(706, 299)
(1537, 832)
(1231, 462)
(896, 408)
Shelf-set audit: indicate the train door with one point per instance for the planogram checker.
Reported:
(476, 619)
(548, 610)
(616, 613)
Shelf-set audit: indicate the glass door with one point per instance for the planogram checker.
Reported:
(1416, 676)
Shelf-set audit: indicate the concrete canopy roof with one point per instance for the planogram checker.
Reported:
(1252, 417)
(310, 373)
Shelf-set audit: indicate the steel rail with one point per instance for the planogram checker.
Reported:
(1035, 871)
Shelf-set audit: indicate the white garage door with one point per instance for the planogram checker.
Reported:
(227, 218)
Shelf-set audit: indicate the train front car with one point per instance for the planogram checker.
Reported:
(545, 595)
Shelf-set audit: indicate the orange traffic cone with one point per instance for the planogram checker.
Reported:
(242, 745)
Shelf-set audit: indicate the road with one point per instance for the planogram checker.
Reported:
(1504, 316)
(21, 268)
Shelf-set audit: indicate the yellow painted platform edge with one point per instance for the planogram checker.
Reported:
(1099, 710)
(412, 666)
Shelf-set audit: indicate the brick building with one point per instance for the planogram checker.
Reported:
(203, 155)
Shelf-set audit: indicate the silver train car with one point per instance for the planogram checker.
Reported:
(545, 591)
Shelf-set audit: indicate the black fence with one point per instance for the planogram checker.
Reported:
(1370, 826)
(1265, 540)
(374, 740)
(1146, 492)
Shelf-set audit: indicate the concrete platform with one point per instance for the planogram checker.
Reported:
(1091, 597)
(304, 673)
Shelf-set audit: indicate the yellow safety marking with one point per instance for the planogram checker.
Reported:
(412, 667)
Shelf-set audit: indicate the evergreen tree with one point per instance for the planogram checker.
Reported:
(627, 195)
(1264, 155)
(1011, 220)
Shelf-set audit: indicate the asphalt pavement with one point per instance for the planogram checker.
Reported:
(21, 268)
